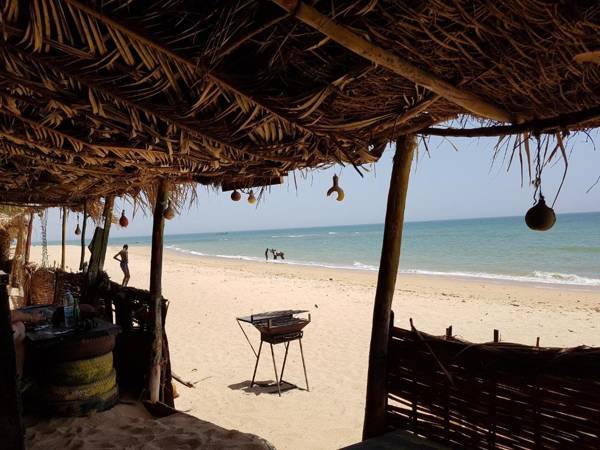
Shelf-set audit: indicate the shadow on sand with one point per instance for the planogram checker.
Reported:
(263, 387)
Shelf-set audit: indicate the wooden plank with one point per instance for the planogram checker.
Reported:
(12, 433)
(393, 62)
(158, 225)
(388, 269)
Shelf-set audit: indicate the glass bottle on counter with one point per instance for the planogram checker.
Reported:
(69, 308)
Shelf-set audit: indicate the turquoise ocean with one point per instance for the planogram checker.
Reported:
(493, 248)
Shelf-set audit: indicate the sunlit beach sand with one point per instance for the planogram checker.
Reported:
(209, 350)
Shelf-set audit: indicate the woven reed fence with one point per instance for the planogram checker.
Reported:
(494, 395)
(42, 286)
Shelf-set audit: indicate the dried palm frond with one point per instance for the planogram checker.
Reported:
(108, 98)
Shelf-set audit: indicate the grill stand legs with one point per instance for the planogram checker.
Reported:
(287, 346)
(256, 365)
(275, 368)
(279, 378)
(303, 364)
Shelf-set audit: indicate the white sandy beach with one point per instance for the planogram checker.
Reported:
(208, 348)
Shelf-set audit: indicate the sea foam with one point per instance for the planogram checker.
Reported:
(534, 277)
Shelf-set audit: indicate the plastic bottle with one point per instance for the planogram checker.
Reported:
(69, 306)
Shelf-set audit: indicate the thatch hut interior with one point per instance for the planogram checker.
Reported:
(100, 98)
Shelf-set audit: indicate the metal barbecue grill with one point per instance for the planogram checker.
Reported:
(277, 327)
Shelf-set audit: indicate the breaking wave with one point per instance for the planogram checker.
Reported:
(534, 277)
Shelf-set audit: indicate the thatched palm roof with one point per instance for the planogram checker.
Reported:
(103, 97)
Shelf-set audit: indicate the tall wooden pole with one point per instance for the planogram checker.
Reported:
(158, 225)
(28, 243)
(83, 227)
(64, 238)
(388, 270)
(107, 213)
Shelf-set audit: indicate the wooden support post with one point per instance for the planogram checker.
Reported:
(95, 249)
(16, 269)
(12, 433)
(162, 197)
(83, 227)
(388, 269)
(64, 237)
(28, 242)
(107, 214)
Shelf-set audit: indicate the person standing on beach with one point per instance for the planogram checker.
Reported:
(267, 254)
(123, 259)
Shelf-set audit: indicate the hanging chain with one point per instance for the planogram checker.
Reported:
(44, 221)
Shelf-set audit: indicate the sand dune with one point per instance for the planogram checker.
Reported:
(208, 348)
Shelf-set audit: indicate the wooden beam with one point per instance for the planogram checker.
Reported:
(158, 224)
(29, 231)
(83, 228)
(374, 424)
(107, 214)
(250, 183)
(12, 432)
(550, 125)
(63, 238)
(393, 62)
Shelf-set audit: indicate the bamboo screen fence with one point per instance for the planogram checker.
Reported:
(493, 395)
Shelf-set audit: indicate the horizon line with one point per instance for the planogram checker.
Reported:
(330, 226)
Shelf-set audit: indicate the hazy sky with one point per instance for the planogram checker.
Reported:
(448, 184)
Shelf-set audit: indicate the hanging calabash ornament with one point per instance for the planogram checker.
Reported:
(169, 213)
(251, 198)
(540, 217)
(236, 196)
(336, 188)
(77, 229)
(123, 221)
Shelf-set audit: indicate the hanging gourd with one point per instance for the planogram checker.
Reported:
(251, 198)
(540, 217)
(236, 196)
(169, 212)
(336, 188)
(77, 229)
(123, 221)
